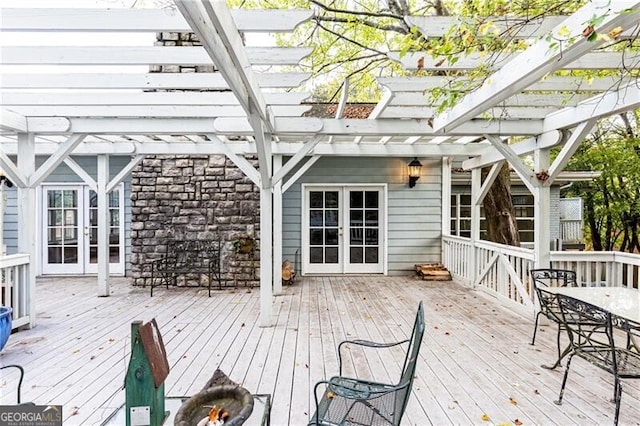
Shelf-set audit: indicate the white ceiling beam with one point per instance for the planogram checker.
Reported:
(147, 81)
(55, 160)
(181, 147)
(12, 121)
(507, 27)
(144, 98)
(9, 169)
(517, 100)
(48, 124)
(82, 173)
(295, 160)
(141, 20)
(292, 126)
(379, 127)
(551, 83)
(546, 140)
(151, 111)
(525, 174)
(591, 61)
(539, 59)
(124, 172)
(142, 55)
(513, 112)
(569, 148)
(610, 103)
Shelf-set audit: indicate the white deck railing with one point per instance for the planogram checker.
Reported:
(15, 289)
(500, 270)
(598, 268)
(503, 271)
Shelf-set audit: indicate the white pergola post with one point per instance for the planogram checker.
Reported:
(103, 226)
(542, 213)
(277, 228)
(446, 195)
(476, 184)
(26, 216)
(266, 264)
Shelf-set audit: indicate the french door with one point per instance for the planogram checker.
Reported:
(344, 229)
(70, 222)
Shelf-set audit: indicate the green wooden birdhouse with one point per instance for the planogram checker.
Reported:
(147, 371)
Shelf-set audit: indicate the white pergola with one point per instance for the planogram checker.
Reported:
(248, 107)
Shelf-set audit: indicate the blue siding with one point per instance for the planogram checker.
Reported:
(414, 214)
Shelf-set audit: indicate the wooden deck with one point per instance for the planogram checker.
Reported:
(476, 361)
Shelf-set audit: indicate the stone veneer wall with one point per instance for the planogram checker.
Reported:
(193, 197)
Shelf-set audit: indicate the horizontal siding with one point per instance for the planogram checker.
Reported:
(414, 214)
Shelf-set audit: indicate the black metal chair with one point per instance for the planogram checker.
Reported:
(592, 337)
(543, 278)
(350, 401)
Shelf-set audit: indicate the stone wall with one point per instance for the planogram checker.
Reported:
(193, 197)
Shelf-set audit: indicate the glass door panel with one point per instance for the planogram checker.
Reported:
(63, 252)
(324, 231)
(116, 262)
(364, 230)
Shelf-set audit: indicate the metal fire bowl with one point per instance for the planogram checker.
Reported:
(235, 399)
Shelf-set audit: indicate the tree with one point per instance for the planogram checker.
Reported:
(612, 201)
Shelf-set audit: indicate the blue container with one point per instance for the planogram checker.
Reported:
(5, 325)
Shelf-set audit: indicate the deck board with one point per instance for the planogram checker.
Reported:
(475, 359)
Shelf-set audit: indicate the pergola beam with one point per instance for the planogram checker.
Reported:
(509, 27)
(610, 103)
(143, 99)
(540, 59)
(551, 83)
(147, 81)
(134, 147)
(379, 127)
(143, 55)
(12, 121)
(141, 20)
(414, 61)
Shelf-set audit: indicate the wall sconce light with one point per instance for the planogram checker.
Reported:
(414, 172)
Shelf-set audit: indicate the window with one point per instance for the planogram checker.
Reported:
(461, 216)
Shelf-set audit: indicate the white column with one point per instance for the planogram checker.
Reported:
(277, 228)
(266, 262)
(542, 213)
(27, 217)
(476, 184)
(103, 226)
(446, 195)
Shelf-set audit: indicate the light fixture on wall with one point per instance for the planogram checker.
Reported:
(414, 172)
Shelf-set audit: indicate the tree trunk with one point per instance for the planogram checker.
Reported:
(500, 215)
